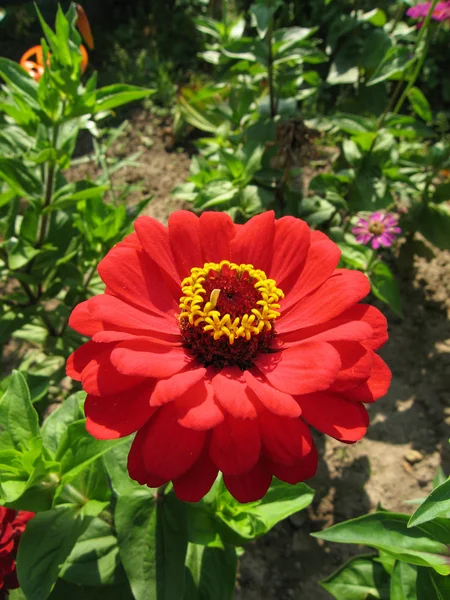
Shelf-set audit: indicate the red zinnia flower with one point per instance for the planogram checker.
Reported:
(220, 343)
(12, 525)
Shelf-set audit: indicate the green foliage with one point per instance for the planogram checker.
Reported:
(413, 560)
(51, 230)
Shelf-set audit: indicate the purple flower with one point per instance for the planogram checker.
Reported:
(420, 11)
(380, 229)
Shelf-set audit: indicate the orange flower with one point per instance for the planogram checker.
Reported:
(33, 61)
(83, 27)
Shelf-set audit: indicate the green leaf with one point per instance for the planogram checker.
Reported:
(119, 94)
(44, 546)
(420, 104)
(152, 543)
(355, 255)
(56, 424)
(351, 152)
(403, 581)
(358, 579)
(396, 60)
(436, 505)
(94, 559)
(434, 224)
(19, 80)
(426, 545)
(116, 465)
(261, 17)
(23, 422)
(20, 253)
(19, 177)
(77, 449)
(431, 586)
(210, 573)
(385, 286)
(135, 520)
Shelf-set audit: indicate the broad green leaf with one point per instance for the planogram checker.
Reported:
(426, 545)
(396, 60)
(351, 152)
(77, 449)
(56, 424)
(355, 255)
(94, 559)
(153, 542)
(261, 16)
(20, 253)
(23, 422)
(385, 286)
(210, 573)
(135, 520)
(116, 465)
(436, 505)
(420, 104)
(434, 224)
(358, 579)
(19, 177)
(64, 590)
(118, 94)
(44, 547)
(19, 80)
(431, 586)
(403, 581)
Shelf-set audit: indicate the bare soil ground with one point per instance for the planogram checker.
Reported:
(407, 438)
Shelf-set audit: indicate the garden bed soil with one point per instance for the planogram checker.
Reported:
(406, 441)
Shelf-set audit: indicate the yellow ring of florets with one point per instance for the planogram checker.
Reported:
(199, 311)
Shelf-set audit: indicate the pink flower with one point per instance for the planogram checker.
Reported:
(380, 229)
(420, 11)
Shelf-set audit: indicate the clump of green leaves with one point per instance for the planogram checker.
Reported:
(52, 231)
(413, 557)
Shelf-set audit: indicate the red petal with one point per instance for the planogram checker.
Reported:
(334, 415)
(80, 359)
(148, 358)
(184, 238)
(274, 400)
(101, 378)
(130, 241)
(335, 330)
(300, 471)
(196, 483)
(197, 407)
(136, 467)
(284, 440)
(376, 386)
(253, 243)
(230, 390)
(377, 321)
(341, 291)
(134, 278)
(236, 445)
(167, 390)
(308, 367)
(81, 320)
(291, 244)
(249, 487)
(356, 365)
(154, 238)
(321, 261)
(169, 449)
(216, 232)
(111, 310)
(110, 417)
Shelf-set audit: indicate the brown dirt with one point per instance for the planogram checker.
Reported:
(352, 479)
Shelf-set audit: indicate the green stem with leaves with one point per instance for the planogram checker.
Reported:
(422, 48)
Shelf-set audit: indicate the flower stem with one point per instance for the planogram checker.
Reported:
(423, 50)
(48, 190)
